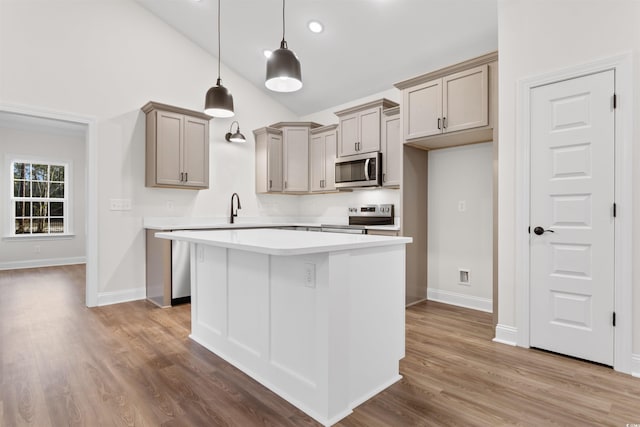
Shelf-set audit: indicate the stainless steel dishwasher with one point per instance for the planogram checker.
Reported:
(168, 271)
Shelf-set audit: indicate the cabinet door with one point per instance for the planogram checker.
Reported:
(349, 136)
(168, 148)
(274, 163)
(369, 130)
(196, 152)
(423, 110)
(317, 162)
(466, 99)
(296, 159)
(330, 150)
(391, 151)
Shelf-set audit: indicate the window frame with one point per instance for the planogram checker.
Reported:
(67, 200)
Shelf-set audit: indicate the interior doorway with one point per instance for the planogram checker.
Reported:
(567, 304)
(88, 125)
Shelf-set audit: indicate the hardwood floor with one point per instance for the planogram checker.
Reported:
(133, 364)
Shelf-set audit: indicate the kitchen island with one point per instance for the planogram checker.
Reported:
(318, 318)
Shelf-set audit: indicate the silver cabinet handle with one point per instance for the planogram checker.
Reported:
(270, 184)
(444, 122)
(285, 185)
(384, 177)
(439, 123)
(186, 176)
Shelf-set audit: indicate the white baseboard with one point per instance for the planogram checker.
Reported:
(107, 298)
(506, 335)
(36, 263)
(461, 300)
(635, 365)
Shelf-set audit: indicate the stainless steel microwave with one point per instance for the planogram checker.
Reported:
(363, 170)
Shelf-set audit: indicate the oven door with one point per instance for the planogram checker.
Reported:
(359, 171)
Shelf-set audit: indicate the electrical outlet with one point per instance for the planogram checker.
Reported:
(462, 205)
(36, 248)
(309, 275)
(120, 204)
(170, 205)
(115, 204)
(464, 277)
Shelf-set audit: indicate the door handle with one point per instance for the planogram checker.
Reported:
(186, 176)
(439, 123)
(355, 146)
(270, 184)
(540, 231)
(366, 169)
(444, 123)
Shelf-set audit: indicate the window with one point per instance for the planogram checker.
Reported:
(39, 202)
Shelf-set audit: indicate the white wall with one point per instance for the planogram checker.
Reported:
(540, 37)
(106, 59)
(333, 207)
(52, 145)
(461, 239)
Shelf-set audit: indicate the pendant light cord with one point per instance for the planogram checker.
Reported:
(218, 42)
(283, 20)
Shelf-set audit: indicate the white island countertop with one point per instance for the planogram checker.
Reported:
(283, 242)
(189, 223)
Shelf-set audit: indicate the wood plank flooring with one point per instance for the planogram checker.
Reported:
(133, 364)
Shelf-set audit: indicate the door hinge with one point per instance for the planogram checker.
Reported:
(615, 101)
(615, 210)
(614, 318)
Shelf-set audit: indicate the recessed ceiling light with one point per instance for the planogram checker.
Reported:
(315, 27)
(267, 53)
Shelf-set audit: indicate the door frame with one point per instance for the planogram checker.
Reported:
(622, 64)
(91, 191)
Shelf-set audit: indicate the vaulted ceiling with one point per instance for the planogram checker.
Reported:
(366, 45)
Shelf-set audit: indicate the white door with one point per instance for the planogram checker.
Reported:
(572, 224)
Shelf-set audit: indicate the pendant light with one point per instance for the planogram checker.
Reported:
(219, 102)
(237, 136)
(283, 67)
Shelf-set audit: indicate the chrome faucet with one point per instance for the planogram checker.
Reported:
(233, 215)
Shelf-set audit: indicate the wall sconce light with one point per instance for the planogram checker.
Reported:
(237, 136)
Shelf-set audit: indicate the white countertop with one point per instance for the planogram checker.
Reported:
(283, 242)
(188, 223)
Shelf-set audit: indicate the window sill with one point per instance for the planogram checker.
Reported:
(33, 237)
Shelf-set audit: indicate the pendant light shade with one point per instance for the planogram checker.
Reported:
(283, 67)
(219, 102)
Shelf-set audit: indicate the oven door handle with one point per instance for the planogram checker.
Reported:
(366, 169)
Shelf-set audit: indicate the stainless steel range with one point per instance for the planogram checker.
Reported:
(361, 217)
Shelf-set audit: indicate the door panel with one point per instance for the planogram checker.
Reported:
(465, 99)
(169, 148)
(369, 131)
(317, 162)
(424, 110)
(274, 163)
(572, 193)
(330, 144)
(196, 152)
(296, 159)
(349, 134)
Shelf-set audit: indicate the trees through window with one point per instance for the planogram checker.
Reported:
(40, 198)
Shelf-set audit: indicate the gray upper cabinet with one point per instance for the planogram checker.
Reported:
(391, 148)
(282, 157)
(268, 160)
(451, 106)
(359, 127)
(323, 145)
(177, 147)
(448, 104)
